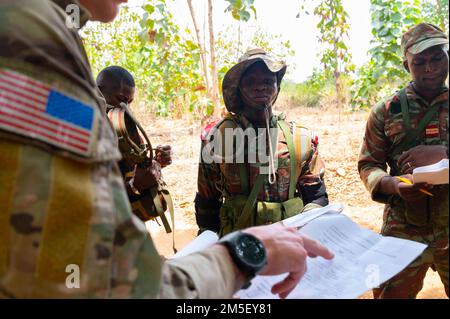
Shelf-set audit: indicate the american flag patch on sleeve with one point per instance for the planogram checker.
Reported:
(33, 109)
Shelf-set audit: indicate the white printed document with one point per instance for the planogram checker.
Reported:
(434, 174)
(363, 259)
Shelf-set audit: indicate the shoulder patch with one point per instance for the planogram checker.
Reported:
(33, 109)
(205, 131)
(214, 125)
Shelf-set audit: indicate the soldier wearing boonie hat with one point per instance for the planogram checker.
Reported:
(407, 130)
(236, 195)
(231, 81)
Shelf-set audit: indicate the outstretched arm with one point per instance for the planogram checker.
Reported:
(213, 274)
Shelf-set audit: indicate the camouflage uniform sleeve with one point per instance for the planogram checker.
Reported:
(136, 273)
(208, 274)
(372, 158)
(310, 183)
(207, 199)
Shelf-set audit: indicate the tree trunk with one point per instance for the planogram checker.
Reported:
(214, 77)
(201, 45)
(336, 71)
(338, 92)
(337, 74)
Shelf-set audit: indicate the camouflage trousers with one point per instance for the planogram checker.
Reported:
(409, 282)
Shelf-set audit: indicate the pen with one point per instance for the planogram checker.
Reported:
(407, 181)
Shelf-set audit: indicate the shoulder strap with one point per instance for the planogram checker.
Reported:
(292, 156)
(165, 193)
(405, 109)
(243, 173)
(160, 210)
(243, 177)
(299, 145)
(131, 152)
(411, 135)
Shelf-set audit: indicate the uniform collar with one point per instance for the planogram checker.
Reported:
(414, 95)
(245, 122)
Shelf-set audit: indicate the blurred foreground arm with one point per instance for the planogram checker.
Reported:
(213, 274)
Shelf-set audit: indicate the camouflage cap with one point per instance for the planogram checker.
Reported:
(421, 37)
(230, 83)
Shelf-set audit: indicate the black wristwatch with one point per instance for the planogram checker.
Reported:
(247, 252)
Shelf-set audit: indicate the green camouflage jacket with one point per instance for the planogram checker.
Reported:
(219, 181)
(385, 130)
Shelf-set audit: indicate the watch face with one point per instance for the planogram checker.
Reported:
(250, 250)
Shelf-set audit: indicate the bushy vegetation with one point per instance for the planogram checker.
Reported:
(166, 61)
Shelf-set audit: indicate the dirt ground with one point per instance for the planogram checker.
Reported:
(340, 137)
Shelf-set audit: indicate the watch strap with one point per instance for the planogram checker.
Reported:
(230, 241)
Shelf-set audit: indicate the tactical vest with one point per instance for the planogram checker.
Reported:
(243, 210)
(432, 211)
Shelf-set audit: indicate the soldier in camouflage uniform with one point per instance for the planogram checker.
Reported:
(63, 205)
(224, 199)
(117, 86)
(407, 130)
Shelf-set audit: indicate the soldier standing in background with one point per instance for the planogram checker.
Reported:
(117, 85)
(407, 130)
(234, 195)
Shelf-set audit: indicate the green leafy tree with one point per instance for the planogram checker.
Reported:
(240, 9)
(173, 58)
(335, 56)
(230, 48)
(436, 12)
(384, 72)
(164, 63)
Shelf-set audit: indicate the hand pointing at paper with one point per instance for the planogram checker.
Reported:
(287, 250)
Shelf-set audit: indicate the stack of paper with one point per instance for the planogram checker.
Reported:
(363, 259)
(434, 174)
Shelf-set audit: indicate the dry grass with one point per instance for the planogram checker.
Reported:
(340, 137)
